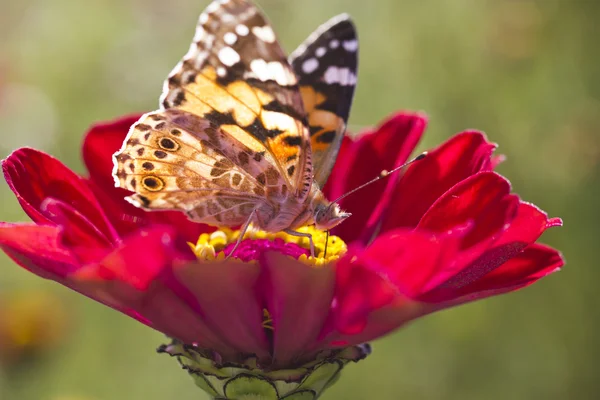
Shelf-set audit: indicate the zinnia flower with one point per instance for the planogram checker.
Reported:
(270, 321)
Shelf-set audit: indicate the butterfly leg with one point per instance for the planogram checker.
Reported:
(306, 235)
(242, 233)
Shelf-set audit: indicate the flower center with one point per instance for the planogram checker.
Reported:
(219, 244)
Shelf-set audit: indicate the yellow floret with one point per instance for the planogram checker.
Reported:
(210, 246)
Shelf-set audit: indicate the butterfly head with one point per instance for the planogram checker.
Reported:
(327, 216)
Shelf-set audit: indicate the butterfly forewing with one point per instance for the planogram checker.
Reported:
(326, 66)
(237, 76)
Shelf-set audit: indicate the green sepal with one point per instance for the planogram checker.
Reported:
(247, 386)
(248, 380)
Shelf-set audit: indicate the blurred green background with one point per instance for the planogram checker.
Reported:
(526, 72)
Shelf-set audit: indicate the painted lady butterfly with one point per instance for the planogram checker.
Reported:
(243, 134)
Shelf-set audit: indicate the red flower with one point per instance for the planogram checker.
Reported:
(446, 232)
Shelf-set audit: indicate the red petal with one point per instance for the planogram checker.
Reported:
(524, 230)
(410, 259)
(80, 236)
(36, 248)
(137, 261)
(483, 199)
(35, 176)
(385, 148)
(425, 181)
(535, 262)
(390, 317)
(226, 294)
(497, 160)
(532, 264)
(137, 279)
(125, 217)
(397, 265)
(166, 304)
(359, 291)
(188, 230)
(298, 298)
(100, 143)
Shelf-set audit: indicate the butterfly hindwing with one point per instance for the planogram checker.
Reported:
(173, 159)
(237, 76)
(326, 66)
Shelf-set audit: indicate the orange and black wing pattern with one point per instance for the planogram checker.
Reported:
(237, 76)
(231, 133)
(326, 66)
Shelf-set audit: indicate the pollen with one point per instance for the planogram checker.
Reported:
(210, 246)
(214, 246)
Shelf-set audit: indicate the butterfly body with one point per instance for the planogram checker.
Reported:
(243, 135)
(291, 215)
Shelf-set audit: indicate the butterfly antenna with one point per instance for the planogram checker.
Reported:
(383, 174)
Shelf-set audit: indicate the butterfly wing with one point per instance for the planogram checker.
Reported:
(176, 160)
(237, 76)
(326, 66)
(231, 132)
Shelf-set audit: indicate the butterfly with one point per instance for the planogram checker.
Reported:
(244, 134)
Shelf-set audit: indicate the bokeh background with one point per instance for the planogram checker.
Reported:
(526, 72)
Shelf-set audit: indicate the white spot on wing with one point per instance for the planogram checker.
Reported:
(310, 65)
(200, 58)
(195, 55)
(343, 76)
(320, 52)
(228, 56)
(351, 45)
(277, 70)
(203, 18)
(188, 75)
(259, 68)
(221, 72)
(278, 120)
(317, 34)
(334, 44)
(331, 75)
(227, 18)
(264, 33)
(242, 30)
(199, 35)
(230, 38)
(273, 70)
